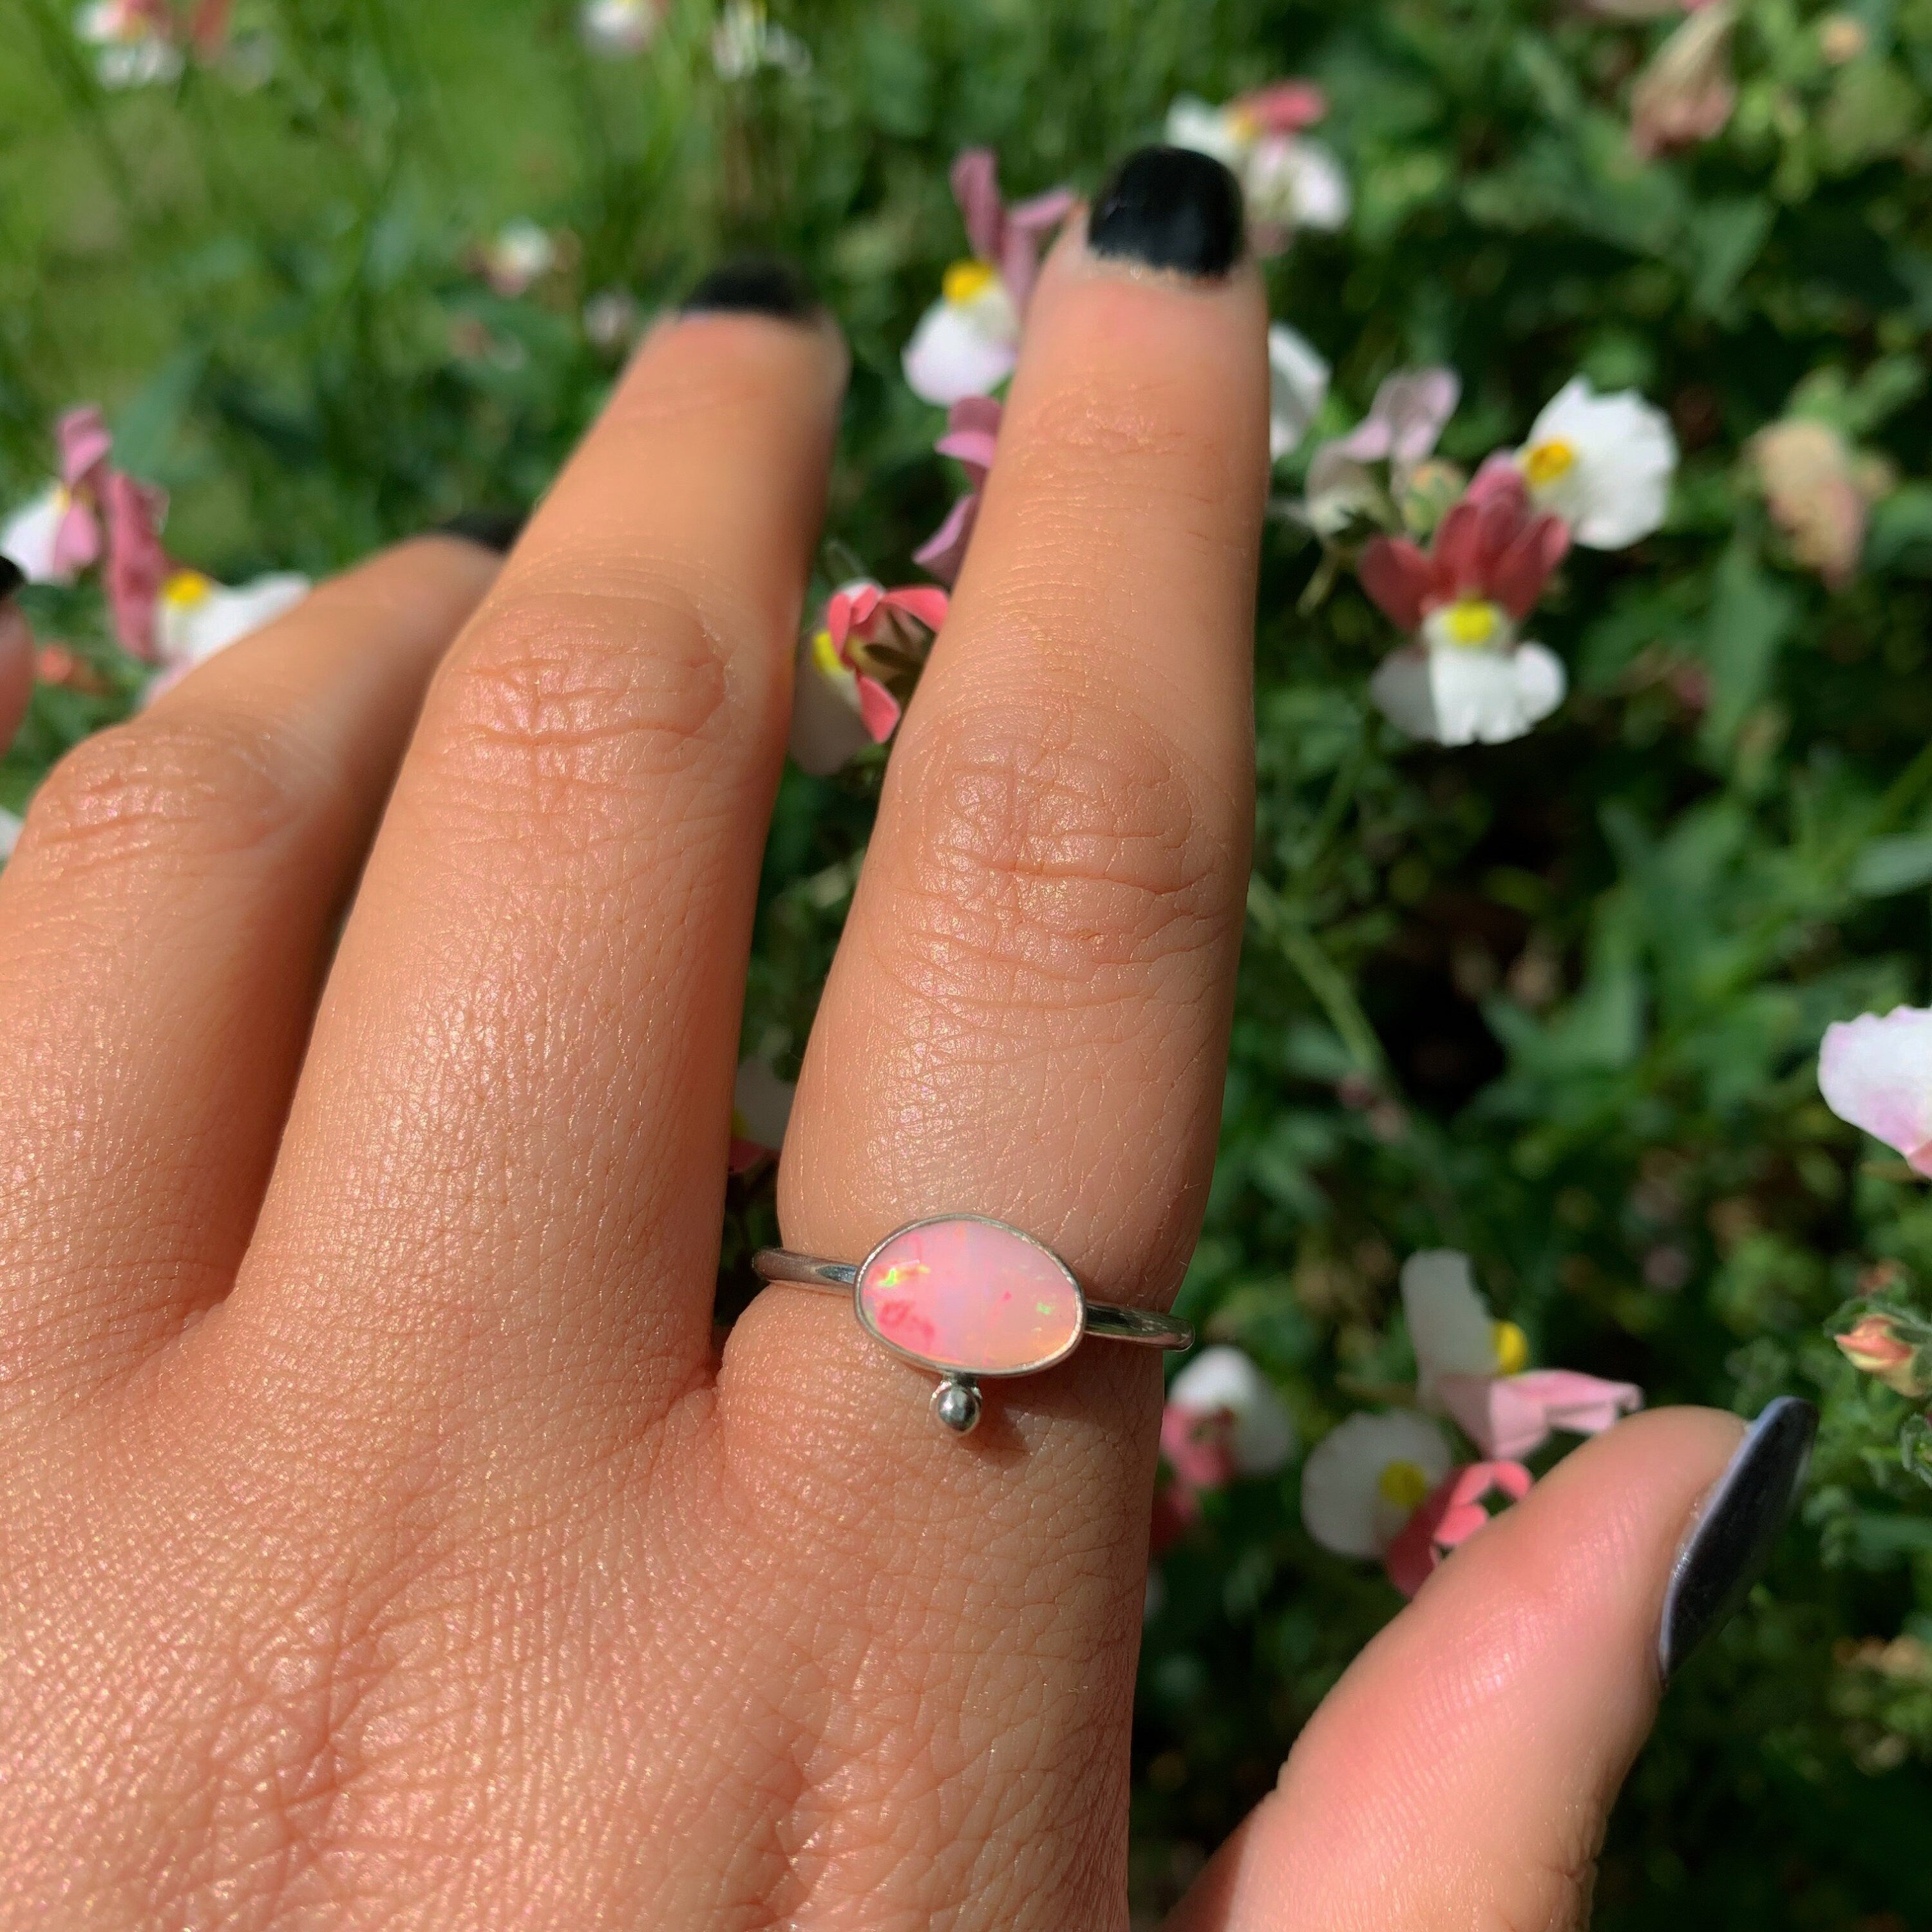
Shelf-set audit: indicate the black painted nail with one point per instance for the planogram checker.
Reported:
(1731, 1541)
(494, 529)
(756, 286)
(11, 577)
(1170, 208)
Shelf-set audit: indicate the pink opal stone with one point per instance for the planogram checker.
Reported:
(970, 1297)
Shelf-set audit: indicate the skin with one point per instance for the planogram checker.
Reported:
(384, 1541)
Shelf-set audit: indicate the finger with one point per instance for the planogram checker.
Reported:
(1028, 1019)
(162, 927)
(515, 1114)
(1462, 1771)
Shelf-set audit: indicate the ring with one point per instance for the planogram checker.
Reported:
(972, 1300)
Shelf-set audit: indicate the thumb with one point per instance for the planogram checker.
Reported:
(1462, 1771)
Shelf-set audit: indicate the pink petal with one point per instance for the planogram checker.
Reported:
(1286, 107)
(878, 709)
(849, 609)
(925, 601)
(1511, 1415)
(209, 27)
(84, 444)
(1583, 1405)
(1400, 578)
(1497, 476)
(137, 566)
(972, 432)
(1198, 1448)
(1518, 577)
(1449, 1515)
(944, 551)
(976, 188)
(1416, 406)
(745, 1155)
(77, 544)
(1877, 1073)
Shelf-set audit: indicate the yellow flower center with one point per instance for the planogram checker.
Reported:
(186, 589)
(825, 655)
(966, 281)
(1544, 463)
(1403, 1484)
(1242, 124)
(1473, 623)
(1512, 1347)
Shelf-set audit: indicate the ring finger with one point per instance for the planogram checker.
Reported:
(1028, 1019)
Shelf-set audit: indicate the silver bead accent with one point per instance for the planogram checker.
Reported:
(956, 1403)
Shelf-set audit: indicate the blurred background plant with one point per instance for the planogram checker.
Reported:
(338, 269)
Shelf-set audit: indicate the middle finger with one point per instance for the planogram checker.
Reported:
(504, 1171)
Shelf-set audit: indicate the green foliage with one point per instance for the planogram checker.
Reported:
(1556, 1003)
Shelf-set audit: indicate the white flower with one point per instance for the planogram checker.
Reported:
(519, 255)
(1298, 387)
(1292, 182)
(744, 40)
(1450, 1327)
(196, 616)
(1450, 692)
(1877, 1074)
(1223, 1381)
(618, 27)
(1192, 123)
(610, 320)
(1363, 1481)
(968, 343)
(10, 832)
(1287, 180)
(134, 50)
(28, 535)
(1603, 464)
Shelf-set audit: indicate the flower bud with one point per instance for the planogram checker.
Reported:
(1873, 1344)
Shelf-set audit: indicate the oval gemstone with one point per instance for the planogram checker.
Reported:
(972, 1297)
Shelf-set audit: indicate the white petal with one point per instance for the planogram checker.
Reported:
(955, 353)
(1454, 696)
(10, 833)
(1618, 489)
(1224, 1379)
(1877, 1074)
(28, 535)
(1298, 387)
(1192, 123)
(190, 633)
(1341, 1504)
(618, 27)
(827, 730)
(1450, 1324)
(762, 1102)
(1296, 183)
(1340, 487)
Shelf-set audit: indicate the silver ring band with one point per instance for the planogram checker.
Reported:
(970, 1298)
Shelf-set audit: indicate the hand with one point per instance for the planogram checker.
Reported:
(385, 1542)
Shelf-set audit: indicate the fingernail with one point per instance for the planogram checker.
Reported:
(756, 286)
(1170, 208)
(1731, 1540)
(494, 529)
(11, 577)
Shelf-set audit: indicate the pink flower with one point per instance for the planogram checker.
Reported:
(1873, 1344)
(972, 430)
(1451, 1513)
(967, 343)
(137, 566)
(1223, 1419)
(1472, 1367)
(1877, 1074)
(870, 638)
(1408, 415)
(1490, 549)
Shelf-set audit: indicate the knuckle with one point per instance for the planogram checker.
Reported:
(1059, 852)
(560, 694)
(200, 784)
